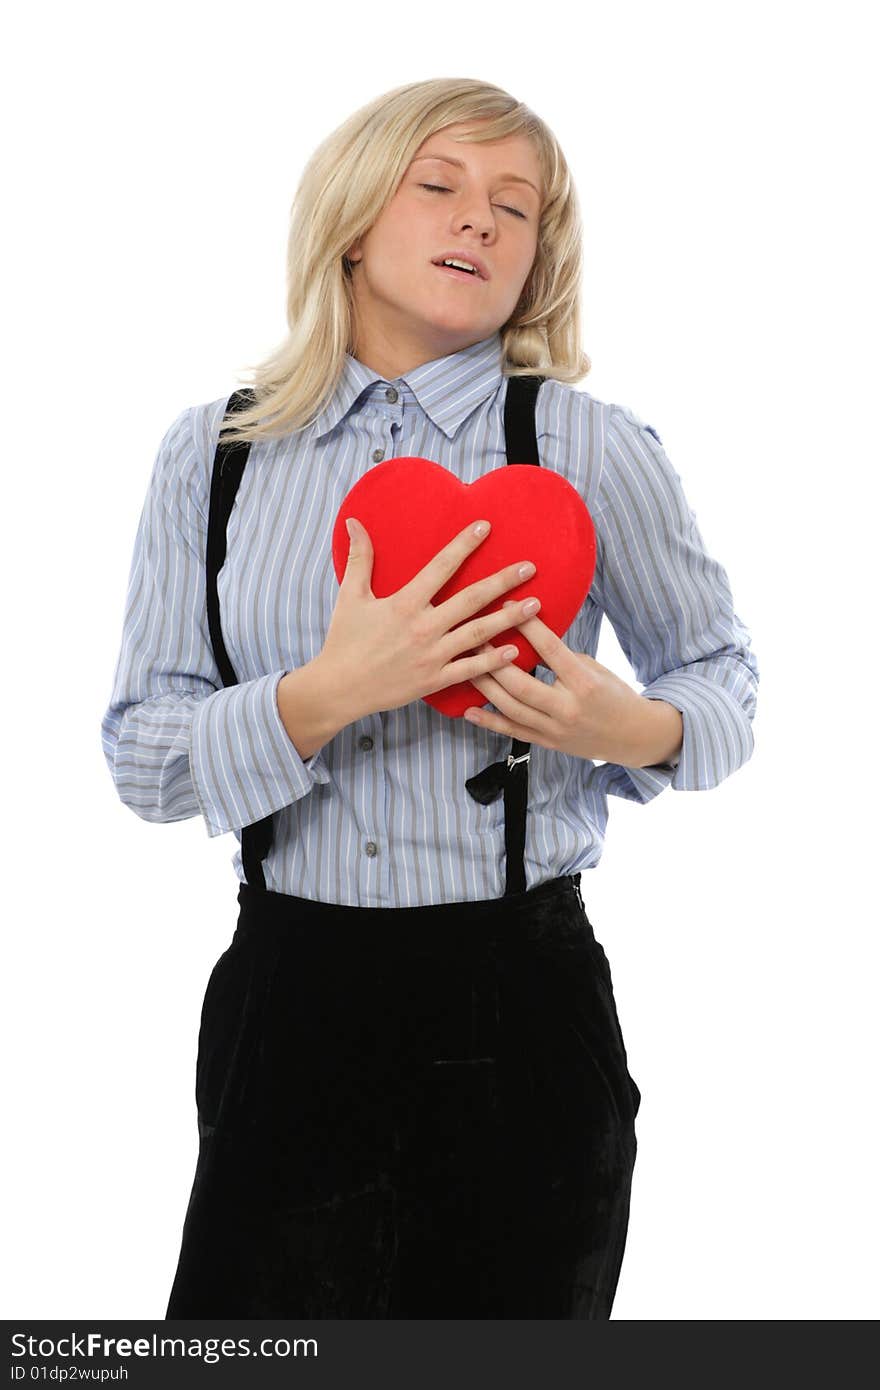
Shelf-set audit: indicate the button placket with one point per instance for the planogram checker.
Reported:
(365, 744)
(388, 425)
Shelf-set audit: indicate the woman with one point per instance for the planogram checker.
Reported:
(412, 1087)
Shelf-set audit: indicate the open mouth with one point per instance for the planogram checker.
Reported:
(458, 272)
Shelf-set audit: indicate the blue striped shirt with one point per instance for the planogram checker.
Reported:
(380, 815)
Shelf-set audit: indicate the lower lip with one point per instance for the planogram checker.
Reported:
(459, 274)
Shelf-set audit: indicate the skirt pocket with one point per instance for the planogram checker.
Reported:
(229, 1029)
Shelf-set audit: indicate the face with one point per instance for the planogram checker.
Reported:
(475, 202)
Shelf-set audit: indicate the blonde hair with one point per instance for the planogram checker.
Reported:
(346, 184)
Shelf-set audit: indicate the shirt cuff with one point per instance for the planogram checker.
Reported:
(243, 763)
(717, 740)
(718, 735)
(634, 783)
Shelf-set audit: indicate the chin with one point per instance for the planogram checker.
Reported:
(459, 322)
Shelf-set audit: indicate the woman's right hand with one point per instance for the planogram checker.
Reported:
(386, 652)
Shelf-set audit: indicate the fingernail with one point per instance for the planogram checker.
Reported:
(532, 606)
(509, 653)
(481, 528)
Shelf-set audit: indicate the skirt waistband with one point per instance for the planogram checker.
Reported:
(552, 910)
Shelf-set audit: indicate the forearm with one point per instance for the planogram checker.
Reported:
(659, 733)
(312, 707)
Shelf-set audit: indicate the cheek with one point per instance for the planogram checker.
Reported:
(524, 271)
(529, 260)
(404, 250)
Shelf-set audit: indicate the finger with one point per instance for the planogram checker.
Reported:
(510, 682)
(565, 655)
(432, 577)
(493, 689)
(500, 724)
(486, 684)
(555, 655)
(519, 696)
(359, 565)
(479, 602)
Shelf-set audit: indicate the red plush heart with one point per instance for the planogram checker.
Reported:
(412, 508)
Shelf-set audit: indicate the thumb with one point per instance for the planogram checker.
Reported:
(360, 552)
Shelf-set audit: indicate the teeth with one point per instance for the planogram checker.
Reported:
(461, 265)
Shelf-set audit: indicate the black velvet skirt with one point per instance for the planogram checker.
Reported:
(409, 1113)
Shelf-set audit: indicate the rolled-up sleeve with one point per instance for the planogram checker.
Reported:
(177, 742)
(671, 607)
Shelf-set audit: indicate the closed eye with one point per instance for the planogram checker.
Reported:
(437, 188)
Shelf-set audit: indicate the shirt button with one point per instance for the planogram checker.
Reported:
(372, 848)
(378, 455)
(365, 743)
(391, 394)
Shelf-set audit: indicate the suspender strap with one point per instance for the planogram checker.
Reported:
(229, 465)
(512, 773)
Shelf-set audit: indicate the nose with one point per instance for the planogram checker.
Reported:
(478, 218)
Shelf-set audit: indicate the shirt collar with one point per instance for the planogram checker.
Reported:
(447, 389)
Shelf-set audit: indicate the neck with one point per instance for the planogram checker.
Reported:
(391, 355)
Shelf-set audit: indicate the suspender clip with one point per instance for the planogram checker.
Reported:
(512, 761)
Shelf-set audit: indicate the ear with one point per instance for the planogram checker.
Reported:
(354, 253)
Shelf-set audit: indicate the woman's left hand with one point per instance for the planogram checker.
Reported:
(588, 711)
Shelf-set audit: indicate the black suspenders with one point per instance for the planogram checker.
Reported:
(511, 774)
(229, 464)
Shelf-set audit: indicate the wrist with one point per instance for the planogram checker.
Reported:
(659, 734)
(312, 707)
(336, 691)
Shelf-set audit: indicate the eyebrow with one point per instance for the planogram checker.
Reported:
(505, 178)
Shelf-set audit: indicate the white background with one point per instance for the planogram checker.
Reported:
(723, 163)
